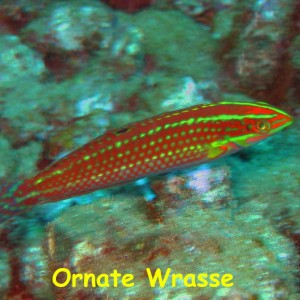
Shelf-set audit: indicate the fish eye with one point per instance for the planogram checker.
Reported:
(263, 126)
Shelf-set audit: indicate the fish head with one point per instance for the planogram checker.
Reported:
(251, 122)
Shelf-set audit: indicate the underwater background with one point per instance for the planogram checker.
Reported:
(71, 70)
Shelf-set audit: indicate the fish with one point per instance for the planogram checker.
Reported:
(160, 144)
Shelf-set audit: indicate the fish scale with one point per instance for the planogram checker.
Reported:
(159, 144)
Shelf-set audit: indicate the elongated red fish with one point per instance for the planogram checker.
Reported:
(159, 144)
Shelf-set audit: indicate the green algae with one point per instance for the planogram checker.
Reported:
(178, 44)
(295, 52)
(224, 23)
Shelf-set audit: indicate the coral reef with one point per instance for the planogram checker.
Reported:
(70, 70)
(18, 62)
(129, 6)
(189, 240)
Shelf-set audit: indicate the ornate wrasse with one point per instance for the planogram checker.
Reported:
(159, 144)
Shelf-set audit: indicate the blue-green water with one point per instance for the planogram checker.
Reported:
(71, 70)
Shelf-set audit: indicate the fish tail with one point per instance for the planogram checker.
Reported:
(8, 204)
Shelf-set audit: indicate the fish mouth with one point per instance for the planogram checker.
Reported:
(281, 122)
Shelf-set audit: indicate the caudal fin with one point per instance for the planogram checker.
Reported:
(8, 205)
